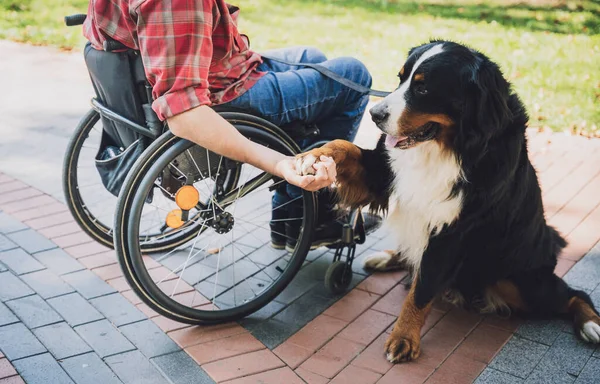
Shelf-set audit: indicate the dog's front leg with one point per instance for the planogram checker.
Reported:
(404, 344)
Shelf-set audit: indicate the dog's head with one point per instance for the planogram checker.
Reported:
(448, 93)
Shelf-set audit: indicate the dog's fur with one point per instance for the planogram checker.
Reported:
(463, 199)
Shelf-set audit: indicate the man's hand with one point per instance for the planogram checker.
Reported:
(322, 174)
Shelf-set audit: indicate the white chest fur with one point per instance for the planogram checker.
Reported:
(420, 204)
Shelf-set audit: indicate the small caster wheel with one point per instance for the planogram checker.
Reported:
(338, 277)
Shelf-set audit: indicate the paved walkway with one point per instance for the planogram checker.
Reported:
(67, 315)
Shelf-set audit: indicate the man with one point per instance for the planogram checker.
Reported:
(195, 57)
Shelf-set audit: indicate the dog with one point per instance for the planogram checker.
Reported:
(463, 202)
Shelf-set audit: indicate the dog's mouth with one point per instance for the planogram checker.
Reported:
(424, 133)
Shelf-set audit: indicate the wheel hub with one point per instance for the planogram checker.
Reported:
(223, 222)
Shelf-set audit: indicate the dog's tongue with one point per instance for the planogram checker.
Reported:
(392, 141)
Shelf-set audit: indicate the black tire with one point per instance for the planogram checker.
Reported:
(338, 277)
(138, 184)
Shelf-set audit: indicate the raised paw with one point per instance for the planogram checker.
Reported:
(304, 164)
(590, 332)
(399, 348)
(383, 261)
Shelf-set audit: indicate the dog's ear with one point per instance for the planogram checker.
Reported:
(493, 92)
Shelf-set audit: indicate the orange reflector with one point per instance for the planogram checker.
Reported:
(187, 197)
(174, 219)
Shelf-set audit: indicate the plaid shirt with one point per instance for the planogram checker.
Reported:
(192, 51)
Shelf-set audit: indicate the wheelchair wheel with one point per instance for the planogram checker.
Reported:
(223, 266)
(91, 205)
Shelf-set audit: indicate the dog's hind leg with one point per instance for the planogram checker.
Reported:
(541, 292)
(387, 260)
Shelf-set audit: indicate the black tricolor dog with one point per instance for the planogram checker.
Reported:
(463, 199)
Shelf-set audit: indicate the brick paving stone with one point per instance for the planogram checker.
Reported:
(75, 309)
(41, 211)
(6, 316)
(149, 339)
(61, 340)
(104, 338)
(146, 310)
(6, 368)
(409, 373)
(99, 260)
(88, 284)
(188, 337)
(292, 354)
(381, 283)
(6, 243)
(12, 380)
(58, 261)
(276, 376)
(68, 240)
(333, 357)
(373, 358)
(50, 220)
(47, 284)
(563, 266)
(60, 230)
(120, 284)
(17, 342)
(117, 309)
(12, 287)
(541, 331)
(590, 373)
(168, 325)
(89, 369)
(432, 319)
(33, 311)
(87, 249)
(519, 357)
(367, 327)
(133, 367)
(8, 224)
(508, 324)
(318, 332)
(438, 344)
(243, 365)
(352, 305)
(355, 375)
(10, 186)
(460, 321)
(457, 369)
(483, 343)
(22, 204)
(586, 273)
(224, 348)
(31, 241)
(391, 302)
(42, 369)
(7, 198)
(20, 262)
(179, 368)
(492, 376)
(584, 237)
(108, 272)
(310, 377)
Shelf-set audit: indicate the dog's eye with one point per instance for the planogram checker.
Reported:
(421, 89)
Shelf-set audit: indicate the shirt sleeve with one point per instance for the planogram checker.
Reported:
(175, 42)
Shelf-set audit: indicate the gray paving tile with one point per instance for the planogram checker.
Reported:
(519, 357)
(544, 376)
(33, 311)
(590, 373)
(273, 332)
(541, 331)
(58, 261)
(6, 316)
(133, 367)
(3, 268)
(6, 243)
(12, 287)
(104, 338)
(75, 309)
(88, 284)
(89, 369)
(586, 273)
(9, 224)
(46, 284)
(61, 340)
(17, 342)
(492, 376)
(117, 309)
(31, 241)
(149, 339)
(179, 368)
(265, 313)
(20, 261)
(42, 369)
(567, 354)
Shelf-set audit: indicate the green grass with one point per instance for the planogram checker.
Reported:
(548, 49)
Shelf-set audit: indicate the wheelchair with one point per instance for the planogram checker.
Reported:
(191, 229)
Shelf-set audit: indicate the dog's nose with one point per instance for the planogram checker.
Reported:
(379, 115)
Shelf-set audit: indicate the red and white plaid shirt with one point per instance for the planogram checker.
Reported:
(192, 51)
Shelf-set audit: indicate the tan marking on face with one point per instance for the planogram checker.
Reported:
(401, 73)
(419, 77)
(410, 121)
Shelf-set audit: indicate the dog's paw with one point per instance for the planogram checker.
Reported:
(382, 261)
(399, 348)
(590, 332)
(304, 164)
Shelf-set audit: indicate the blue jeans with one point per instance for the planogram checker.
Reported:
(294, 93)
